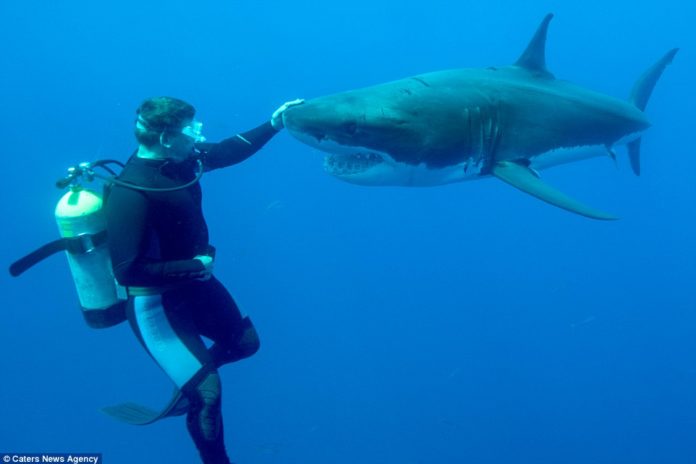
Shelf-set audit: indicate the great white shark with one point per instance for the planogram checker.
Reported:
(462, 124)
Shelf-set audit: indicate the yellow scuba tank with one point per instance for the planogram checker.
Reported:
(81, 221)
(82, 226)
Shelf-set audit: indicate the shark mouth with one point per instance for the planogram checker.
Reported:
(351, 164)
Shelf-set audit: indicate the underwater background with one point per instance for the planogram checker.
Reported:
(463, 323)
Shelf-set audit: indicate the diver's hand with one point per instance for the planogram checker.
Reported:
(277, 116)
(208, 263)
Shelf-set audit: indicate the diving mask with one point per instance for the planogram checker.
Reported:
(194, 131)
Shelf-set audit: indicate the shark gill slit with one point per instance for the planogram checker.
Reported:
(496, 134)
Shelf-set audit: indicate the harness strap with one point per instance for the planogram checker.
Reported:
(74, 245)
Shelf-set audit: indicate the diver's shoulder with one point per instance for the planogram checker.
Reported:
(141, 171)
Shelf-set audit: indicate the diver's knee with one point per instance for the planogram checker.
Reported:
(249, 343)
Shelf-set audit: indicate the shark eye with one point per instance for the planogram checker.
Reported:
(350, 128)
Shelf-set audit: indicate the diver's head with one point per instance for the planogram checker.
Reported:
(165, 128)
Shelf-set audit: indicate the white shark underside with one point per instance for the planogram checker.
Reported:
(455, 125)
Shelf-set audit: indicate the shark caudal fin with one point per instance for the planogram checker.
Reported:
(640, 94)
(525, 179)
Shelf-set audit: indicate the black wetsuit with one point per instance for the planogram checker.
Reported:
(153, 239)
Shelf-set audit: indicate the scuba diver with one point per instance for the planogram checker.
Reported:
(159, 250)
(158, 243)
(141, 253)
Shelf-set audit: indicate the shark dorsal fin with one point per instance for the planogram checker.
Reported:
(534, 56)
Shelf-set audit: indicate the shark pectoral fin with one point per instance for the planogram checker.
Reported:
(523, 178)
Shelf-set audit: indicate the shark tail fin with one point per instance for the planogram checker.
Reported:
(640, 94)
(642, 89)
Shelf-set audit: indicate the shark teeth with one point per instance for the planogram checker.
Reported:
(341, 165)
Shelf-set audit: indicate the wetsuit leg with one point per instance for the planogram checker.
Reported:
(170, 338)
(219, 319)
(204, 420)
(164, 325)
(247, 345)
(170, 327)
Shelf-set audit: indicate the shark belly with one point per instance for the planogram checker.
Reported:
(565, 155)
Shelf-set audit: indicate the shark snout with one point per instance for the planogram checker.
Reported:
(292, 118)
(303, 124)
(321, 120)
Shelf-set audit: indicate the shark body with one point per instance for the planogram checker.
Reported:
(463, 124)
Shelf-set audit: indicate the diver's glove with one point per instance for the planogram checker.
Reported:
(277, 116)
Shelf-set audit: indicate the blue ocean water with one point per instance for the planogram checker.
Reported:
(464, 323)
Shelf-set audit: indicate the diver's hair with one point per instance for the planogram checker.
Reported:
(161, 114)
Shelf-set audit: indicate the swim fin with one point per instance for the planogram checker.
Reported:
(137, 414)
